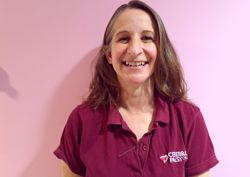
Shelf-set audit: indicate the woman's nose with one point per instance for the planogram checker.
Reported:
(134, 47)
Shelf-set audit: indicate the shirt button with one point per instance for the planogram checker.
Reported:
(144, 148)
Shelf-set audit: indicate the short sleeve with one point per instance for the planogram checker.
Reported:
(69, 147)
(200, 150)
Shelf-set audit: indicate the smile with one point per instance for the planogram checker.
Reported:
(135, 63)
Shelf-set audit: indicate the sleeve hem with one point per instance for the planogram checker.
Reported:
(59, 154)
(202, 167)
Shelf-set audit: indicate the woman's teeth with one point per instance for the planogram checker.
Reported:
(136, 63)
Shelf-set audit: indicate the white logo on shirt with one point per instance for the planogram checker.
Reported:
(164, 158)
(174, 157)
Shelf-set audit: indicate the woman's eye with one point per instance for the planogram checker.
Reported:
(123, 39)
(147, 39)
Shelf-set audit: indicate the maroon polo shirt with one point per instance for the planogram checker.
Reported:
(98, 143)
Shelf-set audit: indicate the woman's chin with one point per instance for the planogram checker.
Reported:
(137, 81)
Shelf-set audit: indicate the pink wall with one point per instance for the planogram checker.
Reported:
(46, 48)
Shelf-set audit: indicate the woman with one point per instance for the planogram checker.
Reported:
(136, 120)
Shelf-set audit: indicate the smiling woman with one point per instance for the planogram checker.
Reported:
(133, 50)
(136, 120)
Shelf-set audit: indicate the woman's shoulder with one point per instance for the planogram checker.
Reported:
(84, 112)
(185, 111)
(186, 106)
(180, 105)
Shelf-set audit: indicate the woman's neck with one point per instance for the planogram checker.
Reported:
(138, 98)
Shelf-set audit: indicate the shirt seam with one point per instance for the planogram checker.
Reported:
(200, 164)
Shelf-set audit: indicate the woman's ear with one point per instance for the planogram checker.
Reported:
(108, 56)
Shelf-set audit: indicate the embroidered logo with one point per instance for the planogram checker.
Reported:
(164, 158)
(174, 157)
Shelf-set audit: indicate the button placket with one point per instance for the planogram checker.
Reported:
(143, 149)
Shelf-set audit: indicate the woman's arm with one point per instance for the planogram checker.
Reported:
(66, 172)
(205, 174)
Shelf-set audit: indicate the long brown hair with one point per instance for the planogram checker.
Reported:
(168, 79)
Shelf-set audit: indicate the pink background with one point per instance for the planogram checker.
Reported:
(46, 49)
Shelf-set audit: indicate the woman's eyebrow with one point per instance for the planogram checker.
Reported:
(127, 32)
(148, 32)
(121, 33)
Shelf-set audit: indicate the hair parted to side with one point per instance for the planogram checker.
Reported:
(168, 79)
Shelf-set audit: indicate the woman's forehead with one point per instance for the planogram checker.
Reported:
(133, 20)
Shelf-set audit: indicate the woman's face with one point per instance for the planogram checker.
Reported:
(133, 49)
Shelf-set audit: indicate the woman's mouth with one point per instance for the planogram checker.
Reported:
(135, 63)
